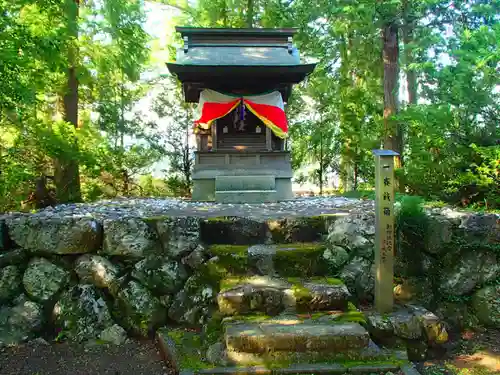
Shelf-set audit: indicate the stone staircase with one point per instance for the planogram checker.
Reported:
(280, 322)
(245, 189)
(280, 312)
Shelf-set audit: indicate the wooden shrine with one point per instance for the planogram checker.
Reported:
(240, 79)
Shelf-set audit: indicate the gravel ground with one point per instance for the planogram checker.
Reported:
(150, 207)
(134, 358)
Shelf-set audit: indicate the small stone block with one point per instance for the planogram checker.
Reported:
(258, 370)
(368, 369)
(5, 241)
(167, 349)
(409, 369)
(260, 338)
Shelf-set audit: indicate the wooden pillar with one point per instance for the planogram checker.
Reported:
(384, 224)
(214, 135)
(269, 140)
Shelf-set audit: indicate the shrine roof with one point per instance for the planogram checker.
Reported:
(239, 56)
(230, 59)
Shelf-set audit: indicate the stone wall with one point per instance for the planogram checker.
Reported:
(79, 278)
(86, 277)
(447, 260)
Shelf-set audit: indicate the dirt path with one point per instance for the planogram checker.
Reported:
(474, 353)
(135, 358)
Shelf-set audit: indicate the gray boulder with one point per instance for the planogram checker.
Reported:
(335, 257)
(13, 257)
(42, 279)
(261, 258)
(482, 227)
(439, 233)
(5, 242)
(196, 258)
(405, 324)
(82, 313)
(138, 309)
(56, 235)
(217, 354)
(486, 303)
(115, 335)
(10, 283)
(20, 323)
(433, 328)
(96, 270)
(194, 303)
(352, 231)
(379, 326)
(132, 238)
(358, 276)
(160, 275)
(471, 270)
(179, 235)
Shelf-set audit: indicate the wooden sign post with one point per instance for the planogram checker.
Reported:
(384, 224)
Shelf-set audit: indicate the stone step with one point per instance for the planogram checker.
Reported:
(300, 259)
(301, 369)
(272, 295)
(297, 338)
(246, 196)
(235, 183)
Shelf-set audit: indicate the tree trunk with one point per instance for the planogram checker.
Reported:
(393, 139)
(346, 161)
(66, 173)
(321, 166)
(250, 13)
(393, 134)
(411, 76)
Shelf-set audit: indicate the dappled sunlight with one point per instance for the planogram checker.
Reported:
(486, 359)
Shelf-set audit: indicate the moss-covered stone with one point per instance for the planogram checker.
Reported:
(303, 229)
(300, 259)
(179, 235)
(131, 238)
(233, 231)
(160, 275)
(486, 303)
(189, 349)
(138, 310)
(195, 303)
(43, 280)
(82, 313)
(10, 283)
(54, 235)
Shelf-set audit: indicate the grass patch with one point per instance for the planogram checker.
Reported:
(233, 250)
(189, 349)
(300, 260)
(219, 219)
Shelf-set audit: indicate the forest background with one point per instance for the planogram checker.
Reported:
(88, 112)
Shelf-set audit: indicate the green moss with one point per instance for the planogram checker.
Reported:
(229, 263)
(318, 280)
(189, 349)
(154, 219)
(300, 260)
(230, 282)
(351, 306)
(253, 318)
(351, 317)
(221, 250)
(219, 219)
